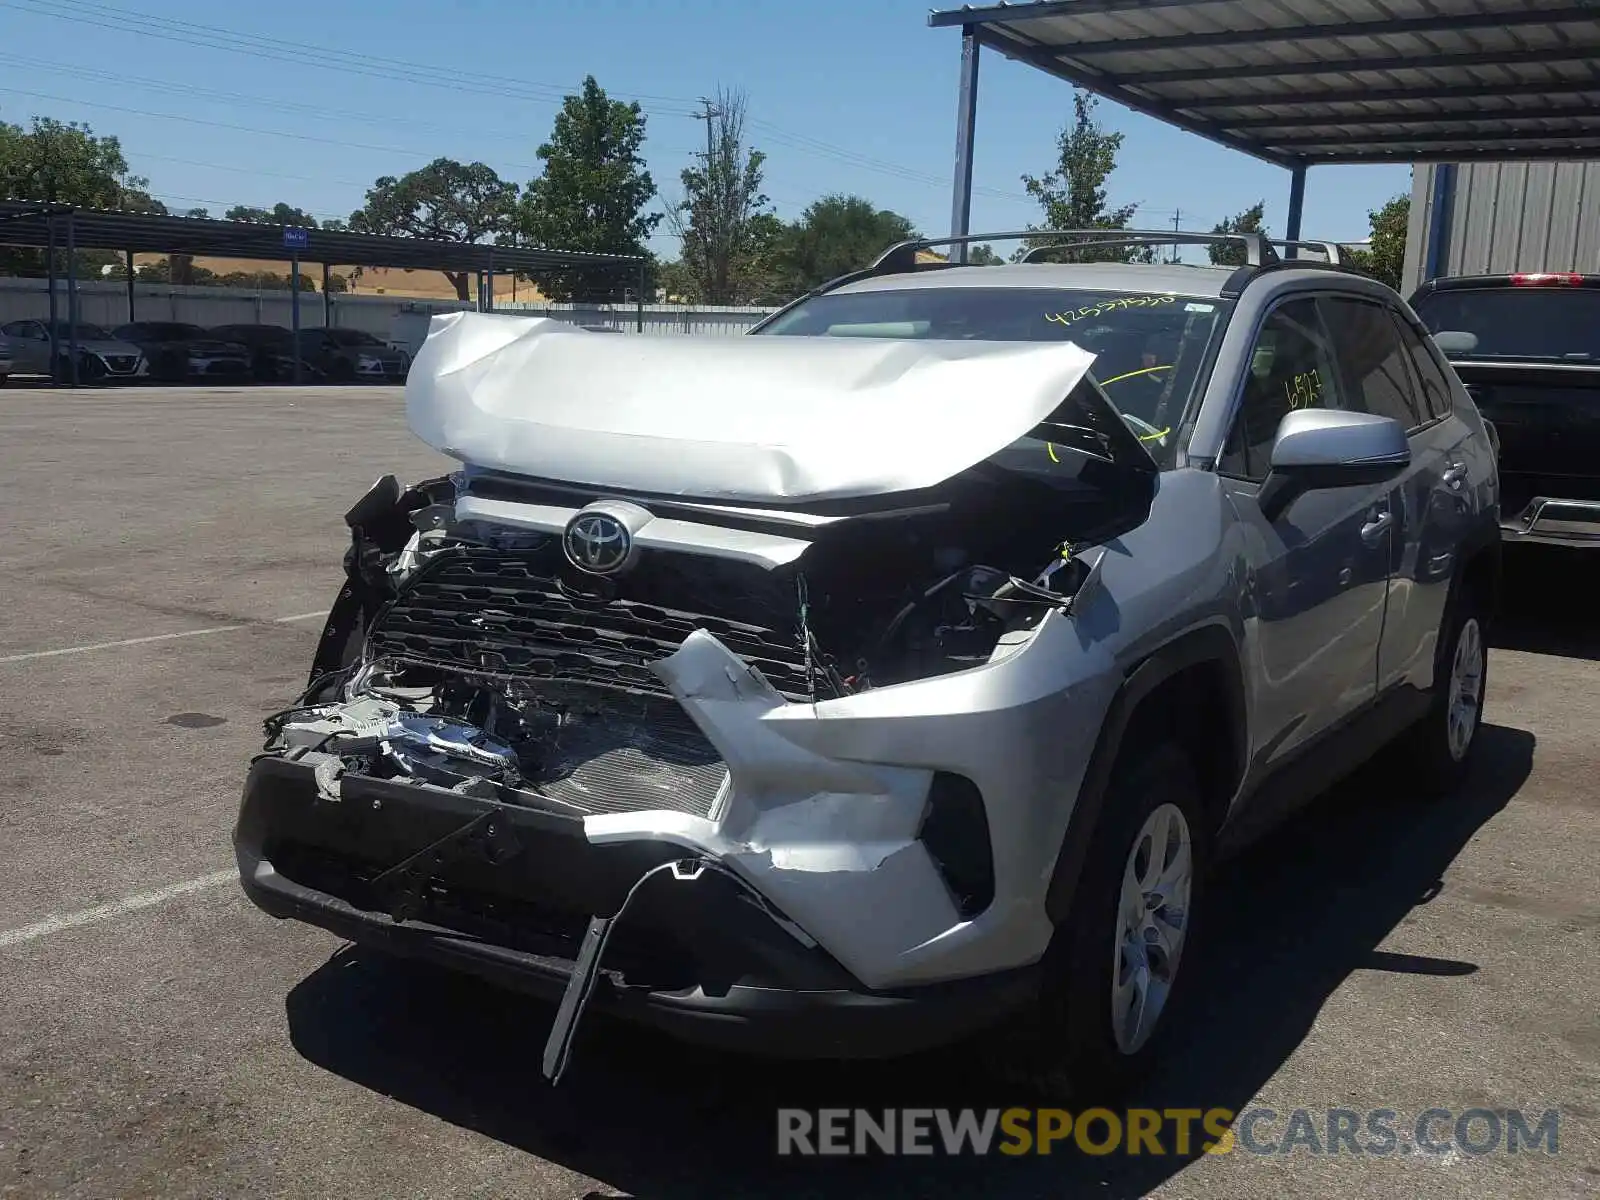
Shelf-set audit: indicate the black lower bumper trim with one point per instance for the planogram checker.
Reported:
(701, 962)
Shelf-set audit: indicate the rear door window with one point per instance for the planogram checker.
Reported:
(1434, 387)
(1373, 360)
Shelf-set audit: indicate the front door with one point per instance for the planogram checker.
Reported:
(1318, 572)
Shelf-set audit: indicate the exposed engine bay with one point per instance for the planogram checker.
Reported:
(495, 660)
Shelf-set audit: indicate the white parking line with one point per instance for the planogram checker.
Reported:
(159, 637)
(114, 908)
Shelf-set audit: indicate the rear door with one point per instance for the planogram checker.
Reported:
(1378, 353)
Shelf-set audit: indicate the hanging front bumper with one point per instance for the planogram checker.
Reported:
(703, 959)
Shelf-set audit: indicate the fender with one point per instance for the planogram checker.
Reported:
(1206, 644)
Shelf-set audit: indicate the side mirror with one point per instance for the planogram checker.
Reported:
(1455, 341)
(1325, 448)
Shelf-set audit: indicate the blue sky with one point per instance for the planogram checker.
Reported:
(309, 102)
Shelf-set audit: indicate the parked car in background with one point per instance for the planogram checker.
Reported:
(353, 355)
(1527, 347)
(271, 350)
(178, 352)
(5, 360)
(101, 355)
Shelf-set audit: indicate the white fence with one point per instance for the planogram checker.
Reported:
(393, 318)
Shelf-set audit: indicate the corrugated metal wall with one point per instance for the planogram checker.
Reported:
(1510, 217)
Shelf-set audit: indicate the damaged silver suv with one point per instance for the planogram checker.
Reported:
(893, 674)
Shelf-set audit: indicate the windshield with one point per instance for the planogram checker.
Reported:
(86, 332)
(1518, 322)
(353, 337)
(1150, 348)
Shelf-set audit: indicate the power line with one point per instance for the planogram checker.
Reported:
(298, 137)
(239, 99)
(393, 70)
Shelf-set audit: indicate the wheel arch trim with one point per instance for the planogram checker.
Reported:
(1209, 645)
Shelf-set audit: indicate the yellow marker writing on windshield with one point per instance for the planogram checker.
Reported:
(1105, 306)
(1131, 374)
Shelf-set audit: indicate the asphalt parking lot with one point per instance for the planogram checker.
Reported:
(166, 558)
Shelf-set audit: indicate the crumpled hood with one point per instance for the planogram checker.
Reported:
(735, 418)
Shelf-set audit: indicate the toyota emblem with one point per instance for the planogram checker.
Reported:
(598, 543)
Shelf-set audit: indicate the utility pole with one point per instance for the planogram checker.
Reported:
(717, 235)
(1177, 227)
(711, 111)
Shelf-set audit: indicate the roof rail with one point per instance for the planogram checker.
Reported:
(1259, 251)
(1332, 250)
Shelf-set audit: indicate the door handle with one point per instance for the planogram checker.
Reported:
(1454, 476)
(1377, 525)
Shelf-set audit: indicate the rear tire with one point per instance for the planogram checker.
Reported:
(1438, 749)
(1126, 950)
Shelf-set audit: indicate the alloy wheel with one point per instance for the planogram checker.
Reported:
(1152, 924)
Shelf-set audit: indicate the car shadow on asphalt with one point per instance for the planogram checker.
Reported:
(1291, 918)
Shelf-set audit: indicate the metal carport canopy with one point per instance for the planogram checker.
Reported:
(53, 226)
(1305, 82)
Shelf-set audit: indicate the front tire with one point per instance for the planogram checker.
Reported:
(1119, 966)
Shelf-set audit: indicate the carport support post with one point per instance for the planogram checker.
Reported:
(127, 260)
(638, 311)
(294, 308)
(327, 299)
(488, 284)
(966, 118)
(1297, 204)
(1436, 250)
(50, 276)
(72, 301)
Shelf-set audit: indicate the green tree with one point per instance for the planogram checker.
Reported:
(725, 243)
(65, 163)
(278, 214)
(835, 235)
(983, 255)
(592, 194)
(1232, 254)
(178, 269)
(445, 200)
(674, 281)
(1386, 259)
(1073, 195)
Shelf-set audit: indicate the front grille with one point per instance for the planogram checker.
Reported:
(509, 613)
(121, 362)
